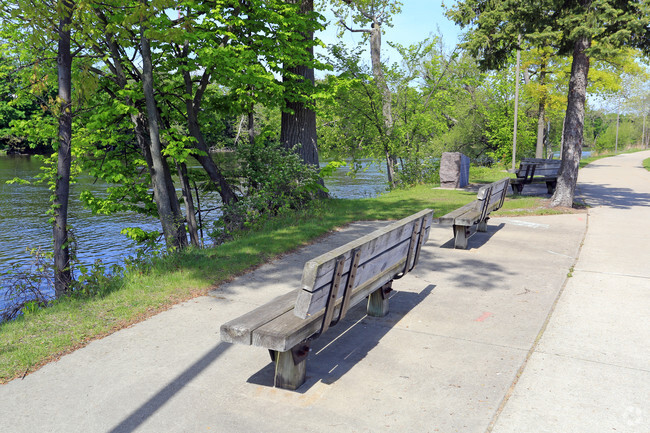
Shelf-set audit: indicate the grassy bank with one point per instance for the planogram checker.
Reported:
(646, 164)
(39, 337)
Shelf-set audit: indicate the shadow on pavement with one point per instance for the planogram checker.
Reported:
(477, 239)
(144, 412)
(618, 198)
(337, 352)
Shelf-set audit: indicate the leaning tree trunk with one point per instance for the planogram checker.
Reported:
(62, 271)
(573, 126)
(171, 219)
(192, 107)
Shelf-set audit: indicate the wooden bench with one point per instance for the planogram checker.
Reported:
(536, 170)
(489, 198)
(331, 284)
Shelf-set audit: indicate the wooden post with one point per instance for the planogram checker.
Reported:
(461, 233)
(289, 375)
(378, 301)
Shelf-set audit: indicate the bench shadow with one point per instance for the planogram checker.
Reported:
(344, 346)
(485, 275)
(476, 239)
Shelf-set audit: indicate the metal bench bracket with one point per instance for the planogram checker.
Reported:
(414, 248)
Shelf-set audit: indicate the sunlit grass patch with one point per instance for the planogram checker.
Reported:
(37, 338)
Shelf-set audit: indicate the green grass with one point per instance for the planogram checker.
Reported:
(37, 338)
(487, 174)
(646, 164)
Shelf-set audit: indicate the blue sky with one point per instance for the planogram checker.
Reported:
(418, 20)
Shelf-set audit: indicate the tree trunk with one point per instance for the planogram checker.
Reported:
(298, 123)
(541, 114)
(251, 127)
(62, 271)
(192, 107)
(541, 126)
(192, 227)
(573, 126)
(386, 97)
(166, 201)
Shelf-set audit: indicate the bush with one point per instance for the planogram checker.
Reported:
(416, 171)
(273, 180)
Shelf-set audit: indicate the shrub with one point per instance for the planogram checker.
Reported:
(416, 171)
(273, 180)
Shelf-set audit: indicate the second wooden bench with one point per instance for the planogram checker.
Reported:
(489, 198)
(536, 170)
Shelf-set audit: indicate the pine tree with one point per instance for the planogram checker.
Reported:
(584, 29)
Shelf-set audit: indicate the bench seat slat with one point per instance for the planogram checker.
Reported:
(240, 330)
(450, 218)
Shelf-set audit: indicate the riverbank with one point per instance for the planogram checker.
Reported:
(44, 335)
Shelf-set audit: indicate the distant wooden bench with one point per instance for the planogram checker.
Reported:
(489, 198)
(536, 170)
(331, 284)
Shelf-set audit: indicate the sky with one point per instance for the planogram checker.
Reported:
(418, 20)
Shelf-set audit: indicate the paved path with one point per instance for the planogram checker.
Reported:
(490, 338)
(591, 369)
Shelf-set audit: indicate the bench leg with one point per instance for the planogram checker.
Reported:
(288, 374)
(461, 233)
(550, 186)
(378, 301)
(482, 225)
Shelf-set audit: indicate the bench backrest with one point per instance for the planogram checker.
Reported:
(491, 197)
(536, 167)
(365, 264)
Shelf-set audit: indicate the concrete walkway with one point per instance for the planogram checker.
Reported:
(493, 338)
(591, 369)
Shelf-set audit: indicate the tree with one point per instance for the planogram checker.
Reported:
(298, 122)
(164, 192)
(583, 29)
(62, 271)
(372, 15)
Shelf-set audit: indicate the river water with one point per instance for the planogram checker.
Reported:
(25, 222)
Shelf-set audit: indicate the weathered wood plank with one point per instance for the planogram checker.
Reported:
(449, 219)
(319, 270)
(240, 330)
(287, 330)
(378, 251)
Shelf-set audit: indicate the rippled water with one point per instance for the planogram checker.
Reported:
(25, 223)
